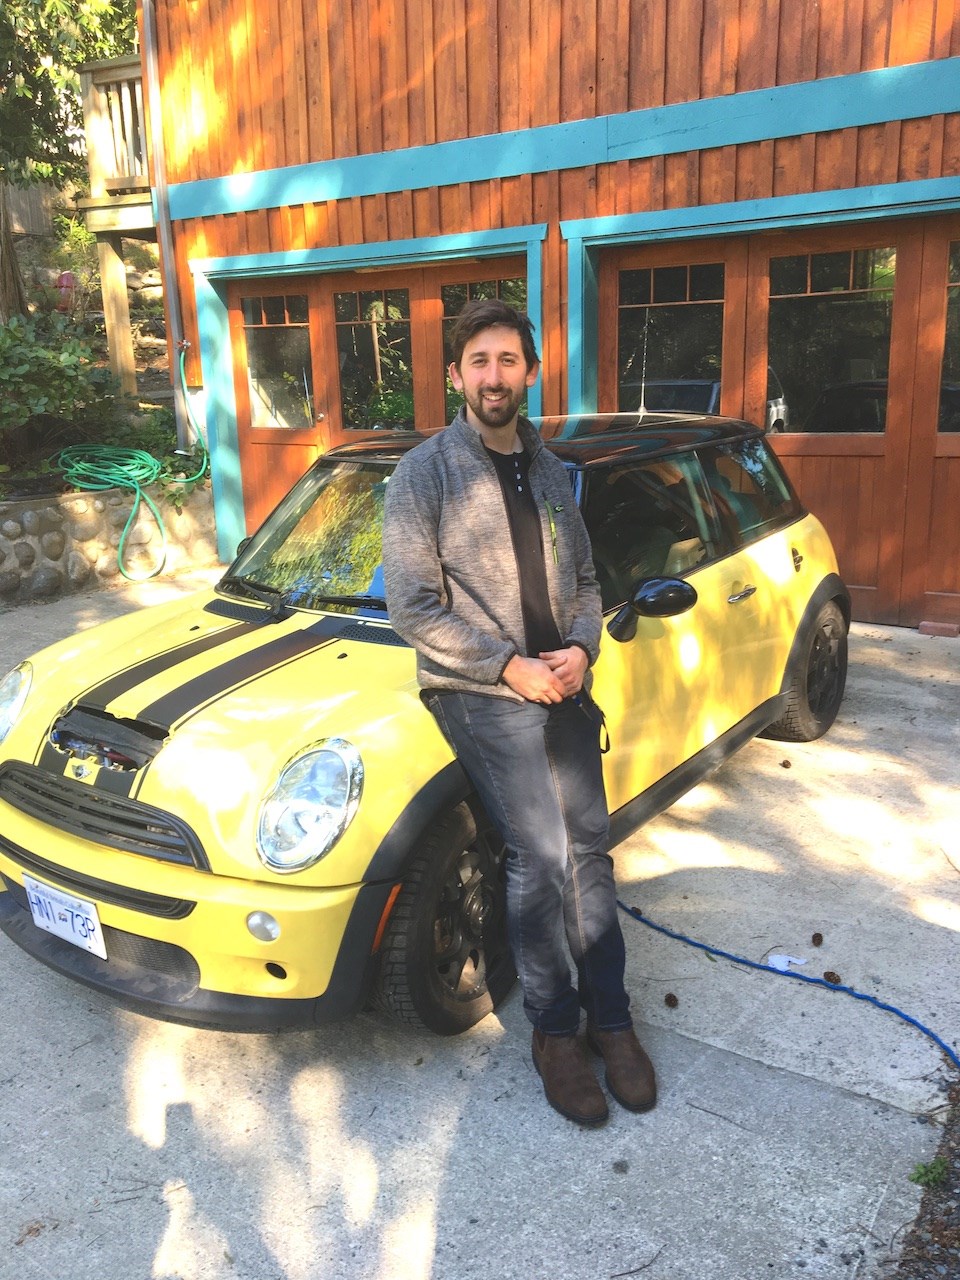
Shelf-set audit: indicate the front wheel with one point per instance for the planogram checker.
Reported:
(819, 677)
(445, 960)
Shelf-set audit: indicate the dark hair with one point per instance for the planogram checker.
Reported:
(484, 314)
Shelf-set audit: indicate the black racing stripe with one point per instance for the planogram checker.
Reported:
(50, 759)
(179, 703)
(101, 695)
(117, 781)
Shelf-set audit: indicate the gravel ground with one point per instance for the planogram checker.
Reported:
(932, 1247)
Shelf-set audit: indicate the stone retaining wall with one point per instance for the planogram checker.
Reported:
(53, 545)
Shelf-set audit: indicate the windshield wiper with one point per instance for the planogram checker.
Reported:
(376, 602)
(277, 600)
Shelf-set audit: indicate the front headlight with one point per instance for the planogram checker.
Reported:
(13, 694)
(311, 806)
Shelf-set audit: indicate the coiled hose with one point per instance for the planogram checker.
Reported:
(95, 467)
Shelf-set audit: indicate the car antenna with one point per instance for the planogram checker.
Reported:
(643, 370)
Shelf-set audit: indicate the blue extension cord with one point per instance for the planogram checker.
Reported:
(636, 914)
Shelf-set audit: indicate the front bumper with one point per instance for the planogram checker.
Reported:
(163, 980)
(178, 946)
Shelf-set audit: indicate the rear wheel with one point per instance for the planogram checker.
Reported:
(818, 681)
(445, 959)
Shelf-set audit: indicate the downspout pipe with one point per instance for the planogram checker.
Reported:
(161, 203)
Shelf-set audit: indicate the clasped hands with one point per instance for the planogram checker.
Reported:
(548, 678)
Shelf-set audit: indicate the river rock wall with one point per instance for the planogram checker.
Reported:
(53, 545)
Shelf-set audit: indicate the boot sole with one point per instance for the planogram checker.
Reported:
(637, 1109)
(586, 1122)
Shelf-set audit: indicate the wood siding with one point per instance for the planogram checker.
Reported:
(260, 84)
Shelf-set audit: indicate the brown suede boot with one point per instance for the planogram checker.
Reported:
(630, 1076)
(568, 1081)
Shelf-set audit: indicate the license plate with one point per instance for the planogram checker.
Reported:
(73, 919)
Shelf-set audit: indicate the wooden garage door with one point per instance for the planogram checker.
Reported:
(838, 335)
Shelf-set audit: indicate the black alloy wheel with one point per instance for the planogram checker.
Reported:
(816, 687)
(445, 959)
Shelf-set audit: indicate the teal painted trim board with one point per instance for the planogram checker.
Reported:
(587, 236)
(837, 102)
(216, 362)
(211, 277)
(422, 250)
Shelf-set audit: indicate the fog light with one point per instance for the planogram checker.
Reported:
(263, 926)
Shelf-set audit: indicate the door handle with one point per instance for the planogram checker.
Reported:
(745, 594)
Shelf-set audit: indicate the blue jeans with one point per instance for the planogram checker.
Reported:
(537, 772)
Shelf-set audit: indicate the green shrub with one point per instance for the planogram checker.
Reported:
(47, 370)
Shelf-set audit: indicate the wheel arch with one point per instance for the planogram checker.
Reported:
(445, 789)
(832, 587)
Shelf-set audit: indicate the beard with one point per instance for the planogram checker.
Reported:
(499, 415)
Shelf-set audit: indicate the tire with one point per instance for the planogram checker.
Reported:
(819, 678)
(445, 959)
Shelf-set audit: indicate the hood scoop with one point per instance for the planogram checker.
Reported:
(107, 741)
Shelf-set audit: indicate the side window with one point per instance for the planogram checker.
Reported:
(647, 520)
(750, 491)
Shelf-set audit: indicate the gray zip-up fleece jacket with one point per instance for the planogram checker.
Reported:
(452, 584)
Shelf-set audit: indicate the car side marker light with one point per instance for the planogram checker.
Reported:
(263, 926)
(384, 918)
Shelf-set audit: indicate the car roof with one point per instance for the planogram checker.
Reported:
(590, 439)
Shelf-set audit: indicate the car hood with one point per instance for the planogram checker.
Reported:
(195, 709)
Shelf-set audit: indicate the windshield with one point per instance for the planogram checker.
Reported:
(322, 545)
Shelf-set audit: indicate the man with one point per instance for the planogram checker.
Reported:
(489, 576)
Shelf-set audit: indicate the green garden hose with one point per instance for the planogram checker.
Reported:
(102, 466)
(97, 467)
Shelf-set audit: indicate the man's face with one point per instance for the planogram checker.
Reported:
(493, 376)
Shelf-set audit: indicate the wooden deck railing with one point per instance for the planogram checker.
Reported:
(114, 125)
(120, 201)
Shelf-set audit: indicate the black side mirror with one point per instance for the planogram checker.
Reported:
(242, 545)
(652, 598)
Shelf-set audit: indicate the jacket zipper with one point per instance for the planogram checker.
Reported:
(553, 526)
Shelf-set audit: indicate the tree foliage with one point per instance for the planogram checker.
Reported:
(42, 45)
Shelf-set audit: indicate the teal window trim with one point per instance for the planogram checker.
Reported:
(211, 277)
(836, 102)
(586, 237)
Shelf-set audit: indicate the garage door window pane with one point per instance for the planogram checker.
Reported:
(279, 371)
(375, 359)
(829, 337)
(949, 418)
(670, 338)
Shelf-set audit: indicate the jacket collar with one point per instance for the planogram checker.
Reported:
(529, 436)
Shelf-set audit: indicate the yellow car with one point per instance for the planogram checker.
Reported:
(235, 811)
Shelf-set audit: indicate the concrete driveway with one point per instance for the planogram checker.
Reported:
(791, 1115)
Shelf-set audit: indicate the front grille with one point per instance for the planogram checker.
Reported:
(151, 904)
(100, 816)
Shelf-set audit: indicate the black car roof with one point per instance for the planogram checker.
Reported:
(590, 439)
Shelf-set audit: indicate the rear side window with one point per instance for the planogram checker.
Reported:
(750, 491)
(647, 520)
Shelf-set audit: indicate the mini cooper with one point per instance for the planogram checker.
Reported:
(234, 810)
